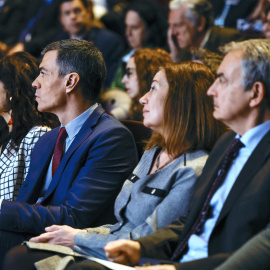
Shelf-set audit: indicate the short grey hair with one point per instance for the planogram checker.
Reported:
(195, 10)
(255, 62)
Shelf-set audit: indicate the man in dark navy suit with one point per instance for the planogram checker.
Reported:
(76, 20)
(77, 171)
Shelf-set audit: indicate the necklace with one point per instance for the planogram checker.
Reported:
(167, 163)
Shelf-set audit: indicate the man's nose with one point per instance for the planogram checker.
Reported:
(211, 90)
(35, 83)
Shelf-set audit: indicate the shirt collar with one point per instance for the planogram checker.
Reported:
(126, 57)
(253, 136)
(74, 126)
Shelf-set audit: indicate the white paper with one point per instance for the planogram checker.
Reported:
(111, 265)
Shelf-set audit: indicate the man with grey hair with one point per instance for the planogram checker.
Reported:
(231, 201)
(191, 25)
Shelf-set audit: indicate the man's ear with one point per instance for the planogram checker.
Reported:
(72, 80)
(201, 25)
(258, 93)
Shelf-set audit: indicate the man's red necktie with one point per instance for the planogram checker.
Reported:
(58, 150)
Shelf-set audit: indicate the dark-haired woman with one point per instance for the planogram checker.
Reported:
(21, 125)
(145, 27)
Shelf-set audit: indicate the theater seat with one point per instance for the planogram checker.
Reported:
(140, 133)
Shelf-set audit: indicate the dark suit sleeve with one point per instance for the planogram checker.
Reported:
(109, 160)
(206, 264)
(253, 255)
(163, 242)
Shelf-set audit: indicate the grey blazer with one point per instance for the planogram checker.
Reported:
(145, 204)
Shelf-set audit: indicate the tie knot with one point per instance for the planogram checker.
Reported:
(62, 134)
(232, 152)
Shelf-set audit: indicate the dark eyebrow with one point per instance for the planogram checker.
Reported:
(43, 69)
(220, 75)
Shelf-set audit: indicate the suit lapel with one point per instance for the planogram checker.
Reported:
(254, 163)
(206, 180)
(82, 135)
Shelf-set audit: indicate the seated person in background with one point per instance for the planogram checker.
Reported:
(191, 25)
(21, 124)
(79, 187)
(145, 27)
(11, 19)
(140, 71)
(77, 21)
(179, 112)
(39, 27)
(231, 202)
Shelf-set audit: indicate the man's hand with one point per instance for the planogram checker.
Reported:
(123, 251)
(157, 267)
(58, 235)
(174, 50)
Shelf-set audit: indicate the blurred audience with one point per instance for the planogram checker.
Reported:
(145, 27)
(179, 112)
(40, 26)
(227, 12)
(140, 70)
(21, 123)
(191, 25)
(76, 19)
(11, 20)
